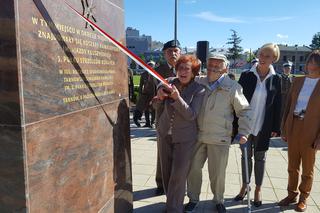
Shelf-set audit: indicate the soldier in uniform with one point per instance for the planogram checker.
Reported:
(286, 81)
(146, 93)
(130, 84)
(171, 51)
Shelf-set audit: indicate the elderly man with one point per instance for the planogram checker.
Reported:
(223, 97)
(171, 51)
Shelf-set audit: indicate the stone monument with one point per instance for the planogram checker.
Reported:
(64, 119)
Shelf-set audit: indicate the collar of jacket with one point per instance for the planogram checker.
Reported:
(175, 81)
(271, 71)
(225, 84)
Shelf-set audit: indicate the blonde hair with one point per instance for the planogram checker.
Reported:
(274, 48)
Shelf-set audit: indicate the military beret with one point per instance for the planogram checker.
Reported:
(171, 44)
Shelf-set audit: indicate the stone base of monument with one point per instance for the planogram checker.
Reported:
(64, 118)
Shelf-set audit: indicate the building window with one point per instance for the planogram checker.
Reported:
(293, 58)
(284, 58)
(301, 58)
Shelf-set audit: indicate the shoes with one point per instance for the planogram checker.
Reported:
(257, 203)
(301, 206)
(257, 198)
(287, 201)
(159, 191)
(136, 121)
(240, 197)
(149, 125)
(190, 207)
(220, 208)
(136, 117)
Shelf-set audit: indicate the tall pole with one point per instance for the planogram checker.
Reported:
(176, 22)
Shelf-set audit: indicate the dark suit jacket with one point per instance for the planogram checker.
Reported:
(272, 119)
(185, 110)
(311, 130)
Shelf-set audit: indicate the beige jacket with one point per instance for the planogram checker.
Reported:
(217, 112)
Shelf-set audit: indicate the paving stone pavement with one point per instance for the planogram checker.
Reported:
(274, 187)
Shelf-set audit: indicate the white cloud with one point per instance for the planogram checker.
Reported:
(190, 1)
(282, 36)
(208, 16)
(273, 19)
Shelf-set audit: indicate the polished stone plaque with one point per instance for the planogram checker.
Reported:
(64, 119)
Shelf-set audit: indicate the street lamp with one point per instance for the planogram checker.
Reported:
(176, 22)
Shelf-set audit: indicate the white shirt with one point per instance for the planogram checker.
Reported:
(258, 101)
(305, 93)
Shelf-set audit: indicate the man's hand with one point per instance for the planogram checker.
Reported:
(284, 138)
(243, 140)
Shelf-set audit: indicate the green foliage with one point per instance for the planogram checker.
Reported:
(162, 60)
(136, 80)
(250, 57)
(143, 57)
(234, 52)
(315, 43)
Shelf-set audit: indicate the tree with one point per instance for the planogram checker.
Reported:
(234, 52)
(315, 43)
(250, 56)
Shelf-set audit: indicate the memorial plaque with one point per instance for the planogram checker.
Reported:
(64, 119)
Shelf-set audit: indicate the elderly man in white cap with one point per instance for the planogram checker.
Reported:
(223, 97)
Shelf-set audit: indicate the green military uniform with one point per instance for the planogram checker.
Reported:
(286, 81)
(146, 92)
(165, 71)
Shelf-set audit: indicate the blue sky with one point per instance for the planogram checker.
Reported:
(257, 22)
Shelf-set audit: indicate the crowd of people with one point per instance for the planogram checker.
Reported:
(198, 117)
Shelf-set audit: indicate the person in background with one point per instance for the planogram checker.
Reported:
(149, 109)
(232, 76)
(301, 130)
(254, 61)
(262, 88)
(286, 81)
(146, 93)
(177, 128)
(223, 97)
(130, 84)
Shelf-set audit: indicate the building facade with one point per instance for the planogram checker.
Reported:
(296, 54)
(136, 43)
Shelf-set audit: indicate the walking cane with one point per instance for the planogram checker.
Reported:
(245, 150)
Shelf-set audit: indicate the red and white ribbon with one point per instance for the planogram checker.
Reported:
(123, 49)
